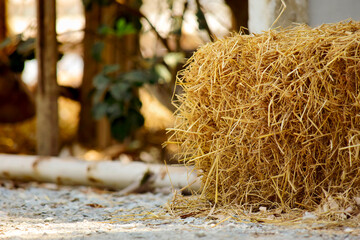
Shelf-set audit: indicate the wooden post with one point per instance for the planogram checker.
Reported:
(263, 13)
(87, 125)
(47, 91)
(108, 16)
(3, 26)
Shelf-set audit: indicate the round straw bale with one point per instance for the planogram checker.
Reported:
(273, 119)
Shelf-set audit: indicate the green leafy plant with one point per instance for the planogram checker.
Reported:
(88, 3)
(115, 98)
(122, 28)
(115, 95)
(19, 50)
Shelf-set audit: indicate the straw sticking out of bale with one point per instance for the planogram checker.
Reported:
(273, 119)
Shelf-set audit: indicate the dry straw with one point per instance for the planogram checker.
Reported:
(273, 119)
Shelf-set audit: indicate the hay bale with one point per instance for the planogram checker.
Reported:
(273, 119)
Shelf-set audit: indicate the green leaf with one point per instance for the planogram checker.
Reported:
(6, 42)
(163, 72)
(136, 118)
(27, 46)
(139, 77)
(17, 62)
(120, 128)
(120, 24)
(124, 126)
(110, 68)
(98, 96)
(105, 30)
(101, 81)
(153, 76)
(121, 91)
(174, 58)
(124, 28)
(115, 110)
(96, 51)
(136, 104)
(129, 29)
(99, 110)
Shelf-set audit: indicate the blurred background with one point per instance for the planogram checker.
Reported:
(116, 73)
(117, 66)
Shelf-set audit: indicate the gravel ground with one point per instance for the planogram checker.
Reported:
(46, 211)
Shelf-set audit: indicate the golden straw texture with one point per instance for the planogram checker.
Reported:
(273, 119)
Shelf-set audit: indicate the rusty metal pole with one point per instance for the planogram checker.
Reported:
(47, 91)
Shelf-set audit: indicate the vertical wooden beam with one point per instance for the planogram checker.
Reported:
(108, 16)
(263, 13)
(3, 26)
(47, 91)
(87, 126)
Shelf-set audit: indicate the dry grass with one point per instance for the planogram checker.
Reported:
(273, 119)
(20, 138)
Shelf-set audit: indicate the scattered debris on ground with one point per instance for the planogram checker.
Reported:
(48, 211)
